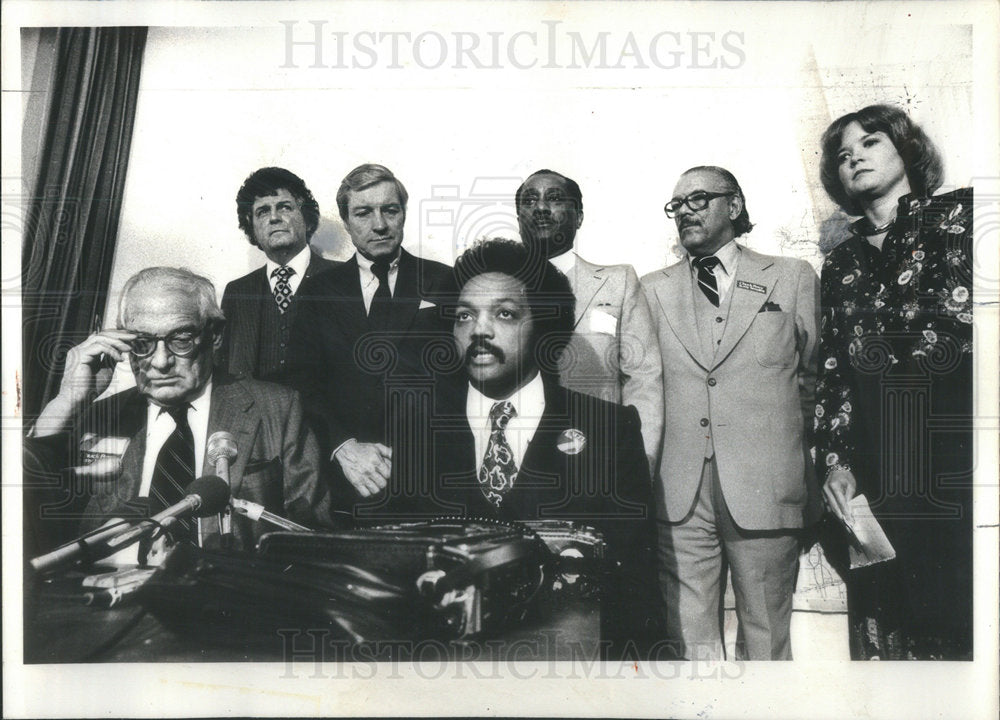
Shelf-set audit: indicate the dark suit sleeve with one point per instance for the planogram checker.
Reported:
(46, 487)
(309, 367)
(306, 496)
(630, 614)
(224, 357)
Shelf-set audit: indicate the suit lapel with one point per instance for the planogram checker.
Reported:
(454, 461)
(677, 305)
(757, 271)
(246, 336)
(543, 465)
(350, 306)
(132, 419)
(314, 266)
(586, 281)
(406, 296)
(230, 412)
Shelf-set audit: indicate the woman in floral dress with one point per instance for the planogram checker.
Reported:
(894, 395)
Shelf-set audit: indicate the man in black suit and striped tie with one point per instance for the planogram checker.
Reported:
(278, 214)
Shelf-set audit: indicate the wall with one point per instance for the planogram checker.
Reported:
(216, 103)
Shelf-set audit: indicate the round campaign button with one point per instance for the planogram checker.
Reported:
(571, 441)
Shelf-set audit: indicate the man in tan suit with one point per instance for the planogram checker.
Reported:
(610, 355)
(737, 333)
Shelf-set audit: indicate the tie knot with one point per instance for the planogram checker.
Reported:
(380, 269)
(501, 413)
(179, 413)
(707, 263)
(283, 273)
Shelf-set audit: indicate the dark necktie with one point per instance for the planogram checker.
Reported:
(282, 290)
(378, 313)
(706, 277)
(174, 469)
(499, 471)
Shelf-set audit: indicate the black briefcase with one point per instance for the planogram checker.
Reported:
(447, 579)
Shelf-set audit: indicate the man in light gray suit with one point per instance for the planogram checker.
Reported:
(737, 333)
(609, 355)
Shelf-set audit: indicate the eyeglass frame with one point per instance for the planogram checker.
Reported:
(198, 337)
(708, 196)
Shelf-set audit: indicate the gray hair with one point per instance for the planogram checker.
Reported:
(363, 177)
(742, 224)
(180, 280)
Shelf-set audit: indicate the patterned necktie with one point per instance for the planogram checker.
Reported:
(499, 471)
(282, 290)
(174, 469)
(706, 277)
(378, 313)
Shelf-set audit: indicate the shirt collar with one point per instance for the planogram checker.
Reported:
(366, 265)
(565, 262)
(529, 402)
(727, 254)
(299, 263)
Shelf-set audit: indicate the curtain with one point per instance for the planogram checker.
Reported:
(71, 222)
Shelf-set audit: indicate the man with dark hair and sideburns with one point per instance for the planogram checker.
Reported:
(503, 440)
(279, 215)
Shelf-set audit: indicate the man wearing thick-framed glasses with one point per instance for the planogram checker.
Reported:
(737, 334)
(137, 450)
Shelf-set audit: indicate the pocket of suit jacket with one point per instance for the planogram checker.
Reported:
(263, 483)
(774, 339)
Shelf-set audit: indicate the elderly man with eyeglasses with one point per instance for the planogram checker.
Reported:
(737, 334)
(133, 454)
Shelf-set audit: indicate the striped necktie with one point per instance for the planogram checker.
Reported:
(706, 277)
(174, 469)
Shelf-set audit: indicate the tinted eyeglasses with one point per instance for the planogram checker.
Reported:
(697, 200)
(182, 343)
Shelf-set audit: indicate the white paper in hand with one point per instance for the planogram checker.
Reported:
(869, 545)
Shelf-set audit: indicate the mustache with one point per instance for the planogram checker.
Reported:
(483, 345)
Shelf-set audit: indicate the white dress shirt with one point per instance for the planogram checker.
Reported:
(565, 263)
(729, 258)
(369, 283)
(159, 426)
(299, 263)
(529, 404)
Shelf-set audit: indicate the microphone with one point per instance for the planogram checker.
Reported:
(206, 495)
(257, 512)
(219, 451)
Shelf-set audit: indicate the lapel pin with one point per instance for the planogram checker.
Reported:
(571, 441)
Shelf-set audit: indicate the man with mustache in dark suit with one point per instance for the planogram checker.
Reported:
(503, 440)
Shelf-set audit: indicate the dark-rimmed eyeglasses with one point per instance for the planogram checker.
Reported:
(697, 200)
(182, 343)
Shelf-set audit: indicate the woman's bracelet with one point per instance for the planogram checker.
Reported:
(837, 466)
